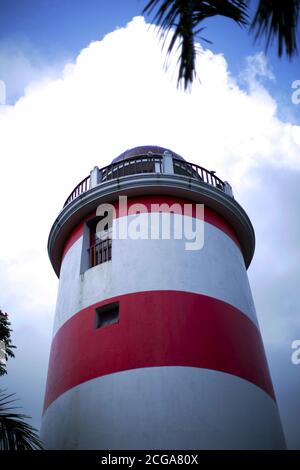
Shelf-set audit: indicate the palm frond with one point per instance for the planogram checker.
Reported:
(278, 19)
(15, 433)
(184, 16)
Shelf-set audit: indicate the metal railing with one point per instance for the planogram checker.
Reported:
(132, 166)
(100, 252)
(82, 187)
(147, 164)
(198, 172)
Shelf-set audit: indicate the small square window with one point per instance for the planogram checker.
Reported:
(107, 315)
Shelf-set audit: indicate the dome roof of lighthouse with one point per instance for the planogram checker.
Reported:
(143, 150)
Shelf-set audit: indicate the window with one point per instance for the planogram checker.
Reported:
(100, 241)
(107, 315)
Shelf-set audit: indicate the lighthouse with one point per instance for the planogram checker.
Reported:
(156, 343)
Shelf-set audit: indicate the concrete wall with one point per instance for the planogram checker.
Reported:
(169, 406)
(164, 408)
(217, 270)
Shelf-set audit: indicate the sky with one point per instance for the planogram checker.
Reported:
(85, 80)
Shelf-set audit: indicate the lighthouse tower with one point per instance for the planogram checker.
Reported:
(156, 343)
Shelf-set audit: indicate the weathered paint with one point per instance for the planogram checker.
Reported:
(157, 328)
(183, 368)
(164, 408)
(217, 270)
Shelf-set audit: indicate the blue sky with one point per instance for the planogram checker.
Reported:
(63, 26)
(67, 99)
(56, 30)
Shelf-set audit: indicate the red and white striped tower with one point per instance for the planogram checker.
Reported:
(156, 346)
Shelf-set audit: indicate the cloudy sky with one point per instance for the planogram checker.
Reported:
(85, 80)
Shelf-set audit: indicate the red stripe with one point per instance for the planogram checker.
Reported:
(157, 328)
(210, 216)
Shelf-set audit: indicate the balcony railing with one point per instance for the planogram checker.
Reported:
(147, 164)
(100, 252)
(132, 166)
(198, 172)
(82, 187)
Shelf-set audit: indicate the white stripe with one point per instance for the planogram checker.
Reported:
(217, 270)
(163, 408)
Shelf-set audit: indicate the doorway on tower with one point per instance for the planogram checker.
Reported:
(100, 240)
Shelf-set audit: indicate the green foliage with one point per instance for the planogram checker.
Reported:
(5, 337)
(15, 433)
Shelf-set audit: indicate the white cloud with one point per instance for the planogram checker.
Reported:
(115, 96)
(257, 67)
(22, 66)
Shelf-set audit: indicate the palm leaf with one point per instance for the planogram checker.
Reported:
(184, 16)
(278, 19)
(15, 433)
